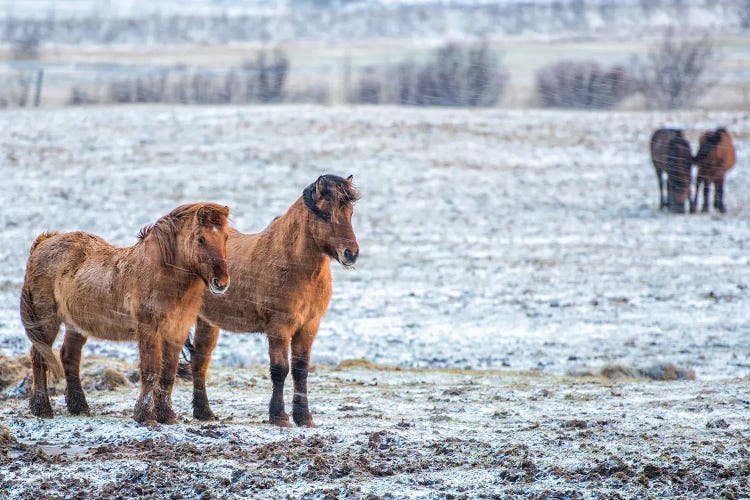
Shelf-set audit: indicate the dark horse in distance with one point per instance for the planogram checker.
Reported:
(281, 286)
(670, 153)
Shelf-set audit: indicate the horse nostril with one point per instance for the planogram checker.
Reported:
(348, 255)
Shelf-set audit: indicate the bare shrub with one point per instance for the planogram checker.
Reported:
(453, 75)
(15, 88)
(26, 45)
(314, 93)
(80, 96)
(368, 90)
(262, 79)
(582, 84)
(675, 73)
(271, 75)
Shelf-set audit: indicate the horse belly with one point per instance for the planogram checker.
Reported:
(88, 303)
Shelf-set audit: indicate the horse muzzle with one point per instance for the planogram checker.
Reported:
(347, 258)
(216, 287)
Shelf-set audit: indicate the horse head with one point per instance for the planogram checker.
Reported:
(331, 199)
(207, 243)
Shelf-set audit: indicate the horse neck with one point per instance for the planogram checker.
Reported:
(290, 235)
(175, 274)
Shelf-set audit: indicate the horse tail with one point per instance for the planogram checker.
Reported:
(184, 369)
(33, 323)
(34, 331)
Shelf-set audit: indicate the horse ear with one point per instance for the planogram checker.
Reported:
(321, 186)
(350, 179)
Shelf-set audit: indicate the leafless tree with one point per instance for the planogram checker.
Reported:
(675, 72)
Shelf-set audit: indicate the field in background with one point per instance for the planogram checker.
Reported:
(315, 65)
(89, 44)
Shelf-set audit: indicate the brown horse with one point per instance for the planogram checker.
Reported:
(149, 292)
(716, 155)
(281, 287)
(671, 155)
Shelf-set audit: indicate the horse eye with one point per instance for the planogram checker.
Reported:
(201, 240)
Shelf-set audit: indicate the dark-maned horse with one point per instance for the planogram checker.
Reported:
(281, 286)
(670, 153)
(716, 155)
(150, 292)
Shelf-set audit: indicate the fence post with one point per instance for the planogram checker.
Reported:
(38, 93)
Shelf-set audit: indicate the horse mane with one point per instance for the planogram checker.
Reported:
(166, 228)
(337, 190)
(711, 142)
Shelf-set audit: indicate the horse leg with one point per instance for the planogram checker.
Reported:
(204, 342)
(40, 320)
(706, 184)
(301, 346)
(693, 199)
(719, 195)
(149, 350)
(39, 404)
(278, 352)
(170, 359)
(661, 189)
(70, 354)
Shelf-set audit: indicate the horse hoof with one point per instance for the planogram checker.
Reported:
(166, 416)
(40, 406)
(77, 406)
(170, 420)
(280, 420)
(144, 417)
(85, 411)
(204, 414)
(306, 423)
(149, 422)
(304, 420)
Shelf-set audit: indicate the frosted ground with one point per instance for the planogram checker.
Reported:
(504, 255)
(523, 240)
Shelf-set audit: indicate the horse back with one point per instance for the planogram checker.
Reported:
(77, 272)
(660, 144)
(726, 151)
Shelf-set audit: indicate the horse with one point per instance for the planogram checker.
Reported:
(670, 154)
(281, 286)
(150, 292)
(716, 156)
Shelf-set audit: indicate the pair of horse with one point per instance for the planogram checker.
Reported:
(177, 274)
(671, 156)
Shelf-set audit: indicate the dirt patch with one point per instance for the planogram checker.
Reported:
(662, 371)
(387, 432)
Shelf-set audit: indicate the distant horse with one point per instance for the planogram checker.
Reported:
(281, 286)
(150, 292)
(716, 155)
(671, 155)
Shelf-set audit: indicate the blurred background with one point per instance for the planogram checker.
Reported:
(590, 54)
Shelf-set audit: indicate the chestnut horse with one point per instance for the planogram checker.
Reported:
(149, 292)
(670, 154)
(281, 286)
(716, 155)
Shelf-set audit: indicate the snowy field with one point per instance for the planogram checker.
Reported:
(504, 256)
(523, 240)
